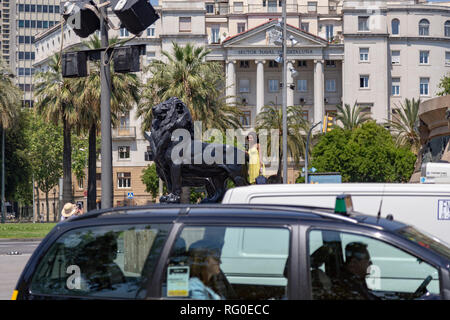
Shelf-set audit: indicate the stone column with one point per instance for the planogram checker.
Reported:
(290, 80)
(319, 109)
(231, 81)
(259, 85)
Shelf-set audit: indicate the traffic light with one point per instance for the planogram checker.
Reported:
(135, 15)
(74, 64)
(127, 58)
(328, 122)
(84, 21)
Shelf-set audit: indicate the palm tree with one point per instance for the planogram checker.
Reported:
(55, 102)
(404, 124)
(124, 95)
(271, 117)
(197, 83)
(10, 96)
(351, 117)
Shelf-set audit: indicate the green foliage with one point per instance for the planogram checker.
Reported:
(351, 117)
(151, 180)
(199, 84)
(366, 154)
(444, 85)
(80, 151)
(404, 125)
(45, 141)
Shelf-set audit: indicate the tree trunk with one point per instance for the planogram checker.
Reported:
(67, 164)
(92, 169)
(46, 204)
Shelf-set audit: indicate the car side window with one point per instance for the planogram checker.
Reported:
(101, 261)
(352, 266)
(212, 263)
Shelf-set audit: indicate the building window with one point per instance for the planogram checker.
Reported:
(330, 85)
(395, 56)
(273, 85)
(447, 28)
(330, 63)
(124, 180)
(215, 34)
(424, 55)
(447, 58)
(364, 81)
(304, 26)
(272, 6)
(185, 24)
(302, 85)
(302, 64)
(363, 54)
(150, 32)
(238, 6)
(424, 86)
(395, 86)
(124, 32)
(424, 27)
(312, 6)
(245, 118)
(305, 115)
(210, 8)
(80, 183)
(244, 64)
(124, 152)
(395, 24)
(244, 85)
(273, 64)
(240, 27)
(329, 32)
(363, 23)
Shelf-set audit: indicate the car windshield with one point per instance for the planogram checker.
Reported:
(427, 241)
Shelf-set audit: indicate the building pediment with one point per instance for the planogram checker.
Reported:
(265, 35)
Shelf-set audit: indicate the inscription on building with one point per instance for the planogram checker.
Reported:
(272, 51)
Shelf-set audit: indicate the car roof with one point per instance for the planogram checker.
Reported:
(267, 211)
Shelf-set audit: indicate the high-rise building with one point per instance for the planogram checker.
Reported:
(20, 21)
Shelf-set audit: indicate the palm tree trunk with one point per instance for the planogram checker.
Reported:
(67, 164)
(92, 169)
(185, 196)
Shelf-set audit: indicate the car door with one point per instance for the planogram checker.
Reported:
(360, 264)
(252, 260)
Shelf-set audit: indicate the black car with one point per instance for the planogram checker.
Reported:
(235, 252)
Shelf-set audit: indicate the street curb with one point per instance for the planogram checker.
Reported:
(20, 239)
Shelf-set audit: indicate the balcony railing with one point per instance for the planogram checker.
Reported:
(223, 9)
(124, 133)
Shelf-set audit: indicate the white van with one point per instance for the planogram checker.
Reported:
(425, 206)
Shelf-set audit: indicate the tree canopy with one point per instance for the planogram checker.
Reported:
(365, 154)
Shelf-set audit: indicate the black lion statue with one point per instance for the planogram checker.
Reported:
(192, 171)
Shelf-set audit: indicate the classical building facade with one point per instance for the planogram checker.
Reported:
(372, 53)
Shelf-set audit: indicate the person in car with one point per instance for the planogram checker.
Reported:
(351, 285)
(204, 264)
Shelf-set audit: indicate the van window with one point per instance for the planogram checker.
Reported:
(102, 261)
(209, 262)
(350, 266)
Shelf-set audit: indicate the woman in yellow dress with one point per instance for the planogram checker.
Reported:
(255, 167)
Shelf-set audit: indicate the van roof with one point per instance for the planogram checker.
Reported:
(337, 188)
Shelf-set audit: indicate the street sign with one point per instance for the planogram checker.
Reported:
(130, 195)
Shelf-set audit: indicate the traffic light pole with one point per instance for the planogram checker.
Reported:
(105, 116)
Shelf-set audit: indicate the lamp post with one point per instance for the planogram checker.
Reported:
(105, 115)
(307, 150)
(284, 105)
